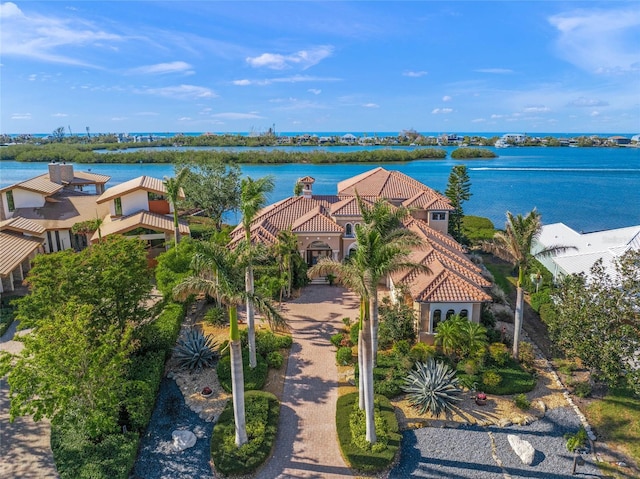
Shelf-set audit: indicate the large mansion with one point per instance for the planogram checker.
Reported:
(37, 216)
(325, 226)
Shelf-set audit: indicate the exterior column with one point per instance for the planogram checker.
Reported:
(335, 252)
(11, 287)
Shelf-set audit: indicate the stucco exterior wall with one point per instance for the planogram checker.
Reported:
(26, 199)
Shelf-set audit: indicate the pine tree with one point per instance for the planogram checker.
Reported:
(458, 191)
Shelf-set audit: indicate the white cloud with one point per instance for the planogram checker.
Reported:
(315, 91)
(416, 74)
(21, 116)
(499, 71)
(446, 98)
(60, 115)
(48, 38)
(163, 68)
(147, 113)
(302, 58)
(290, 79)
(184, 92)
(33, 77)
(594, 113)
(184, 118)
(496, 117)
(587, 102)
(119, 118)
(478, 120)
(437, 111)
(599, 40)
(537, 109)
(371, 105)
(237, 116)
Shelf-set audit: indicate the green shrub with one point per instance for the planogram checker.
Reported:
(145, 374)
(262, 412)
(538, 299)
(526, 355)
(513, 381)
(344, 356)
(420, 352)
(522, 402)
(470, 366)
(499, 354)
(275, 359)
(77, 457)
(367, 459)
(582, 389)
(354, 332)
(161, 334)
(254, 378)
(547, 313)
(336, 339)
(577, 439)
(401, 348)
(267, 342)
(397, 321)
(491, 378)
(216, 316)
(6, 317)
(477, 228)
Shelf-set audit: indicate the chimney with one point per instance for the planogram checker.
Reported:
(55, 175)
(307, 189)
(66, 173)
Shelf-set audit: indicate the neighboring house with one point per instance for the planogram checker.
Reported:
(44, 209)
(589, 248)
(325, 226)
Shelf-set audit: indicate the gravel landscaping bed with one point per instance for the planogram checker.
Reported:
(157, 458)
(471, 451)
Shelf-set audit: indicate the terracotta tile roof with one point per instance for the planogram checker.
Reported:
(307, 179)
(141, 219)
(38, 184)
(147, 183)
(316, 221)
(428, 201)
(63, 210)
(21, 225)
(14, 249)
(392, 185)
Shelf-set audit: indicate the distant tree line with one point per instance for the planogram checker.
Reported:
(83, 154)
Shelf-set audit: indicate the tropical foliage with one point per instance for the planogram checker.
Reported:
(432, 386)
(596, 319)
(458, 191)
(174, 187)
(195, 351)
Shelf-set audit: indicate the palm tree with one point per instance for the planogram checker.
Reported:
(218, 272)
(514, 245)
(448, 336)
(387, 221)
(253, 197)
(286, 247)
(174, 188)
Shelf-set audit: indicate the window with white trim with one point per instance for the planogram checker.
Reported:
(438, 216)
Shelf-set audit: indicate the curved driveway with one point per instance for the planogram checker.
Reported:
(307, 443)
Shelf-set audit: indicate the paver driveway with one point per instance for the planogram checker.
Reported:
(307, 444)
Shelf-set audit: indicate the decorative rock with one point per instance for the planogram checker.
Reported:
(523, 449)
(183, 440)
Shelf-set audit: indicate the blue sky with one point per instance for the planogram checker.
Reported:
(181, 66)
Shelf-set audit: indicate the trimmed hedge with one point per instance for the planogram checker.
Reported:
(79, 458)
(370, 459)
(161, 334)
(254, 379)
(262, 412)
(145, 376)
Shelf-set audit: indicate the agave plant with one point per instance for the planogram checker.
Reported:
(432, 387)
(195, 351)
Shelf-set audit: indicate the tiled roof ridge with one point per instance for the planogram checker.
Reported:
(349, 182)
(453, 263)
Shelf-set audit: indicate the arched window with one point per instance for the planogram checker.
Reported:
(437, 318)
(348, 230)
(464, 313)
(450, 313)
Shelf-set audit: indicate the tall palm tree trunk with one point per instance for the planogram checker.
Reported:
(237, 379)
(374, 325)
(517, 320)
(364, 316)
(367, 350)
(250, 317)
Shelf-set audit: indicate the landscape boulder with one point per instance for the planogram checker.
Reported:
(183, 440)
(523, 449)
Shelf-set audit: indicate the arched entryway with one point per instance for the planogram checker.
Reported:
(316, 251)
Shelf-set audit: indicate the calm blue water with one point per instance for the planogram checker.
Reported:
(588, 189)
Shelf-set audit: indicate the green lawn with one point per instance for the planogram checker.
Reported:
(616, 419)
(502, 274)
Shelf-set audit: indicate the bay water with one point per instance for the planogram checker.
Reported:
(588, 189)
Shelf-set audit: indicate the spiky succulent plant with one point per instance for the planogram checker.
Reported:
(432, 386)
(195, 350)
